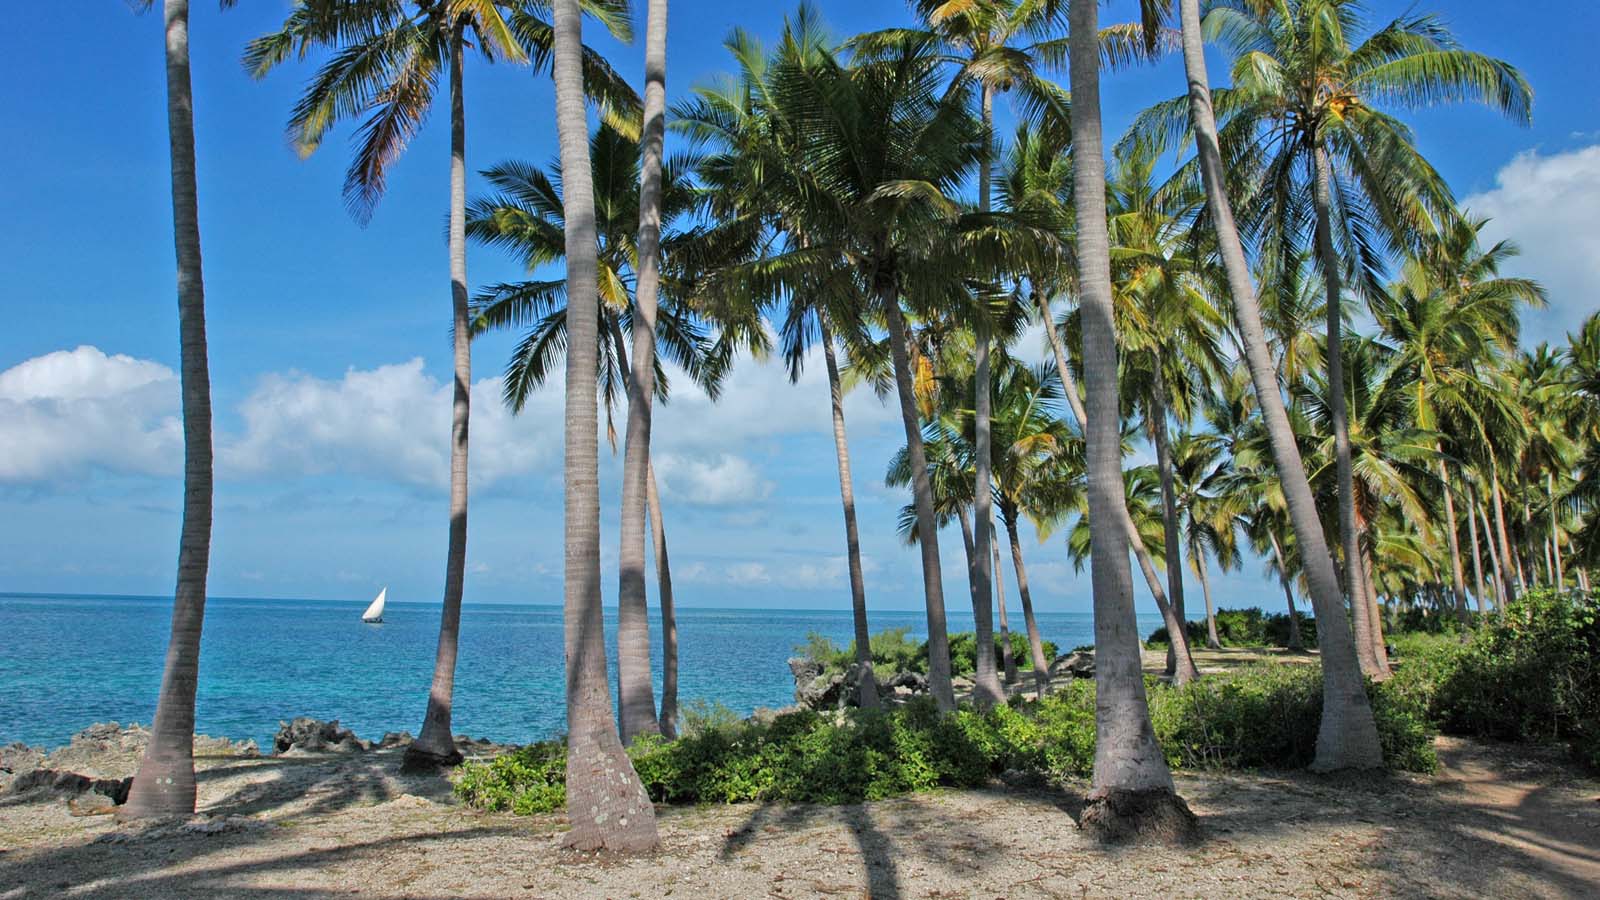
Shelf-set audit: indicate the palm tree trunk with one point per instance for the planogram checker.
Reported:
(1127, 759)
(1176, 635)
(1008, 663)
(1349, 535)
(164, 785)
(1457, 580)
(435, 747)
(986, 689)
(1477, 562)
(1180, 662)
(636, 701)
(1294, 642)
(1555, 533)
(922, 495)
(868, 697)
(1202, 568)
(606, 803)
(669, 614)
(1348, 737)
(1501, 590)
(1041, 666)
(1507, 558)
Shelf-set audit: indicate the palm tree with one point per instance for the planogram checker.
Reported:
(637, 706)
(1128, 762)
(385, 65)
(1209, 511)
(164, 785)
(606, 803)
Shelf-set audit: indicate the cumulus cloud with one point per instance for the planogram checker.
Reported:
(74, 410)
(390, 423)
(802, 574)
(720, 480)
(1547, 205)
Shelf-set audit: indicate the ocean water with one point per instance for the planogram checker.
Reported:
(68, 661)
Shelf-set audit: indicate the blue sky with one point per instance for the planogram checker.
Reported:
(328, 340)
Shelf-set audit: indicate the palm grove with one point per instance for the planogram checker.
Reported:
(857, 197)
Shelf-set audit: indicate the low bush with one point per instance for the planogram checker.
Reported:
(964, 652)
(1250, 627)
(894, 651)
(1265, 716)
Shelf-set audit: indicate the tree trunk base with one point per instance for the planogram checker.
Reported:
(418, 761)
(1140, 817)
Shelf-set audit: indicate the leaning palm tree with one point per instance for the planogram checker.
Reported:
(386, 58)
(164, 784)
(1132, 785)
(606, 802)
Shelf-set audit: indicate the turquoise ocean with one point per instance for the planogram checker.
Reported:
(68, 661)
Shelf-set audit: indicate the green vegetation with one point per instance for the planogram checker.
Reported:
(892, 651)
(1246, 628)
(1263, 716)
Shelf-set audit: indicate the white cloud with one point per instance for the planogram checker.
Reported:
(721, 480)
(72, 410)
(391, 422)
(811, 574)
(1547, 205)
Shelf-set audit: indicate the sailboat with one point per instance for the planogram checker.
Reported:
(374, 613)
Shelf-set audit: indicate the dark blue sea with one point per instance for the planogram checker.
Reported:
(68, 661)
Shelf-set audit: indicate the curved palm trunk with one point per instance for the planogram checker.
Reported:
(1555, 533)
(1180, 662)
(1500, 586)
(868, 697)
(1477, 561)
(1508, 559)
(1169, 616)
(637, 699)
(1457, 580)
(669, 613)
(1041, 666)
(1348, 737)
(1008, 663)
(606, 803)
(1288, 593)
(1349, 533)
(164, 784)
(435, 746)
(1127, 760)
(1202, 568)
(922, 497)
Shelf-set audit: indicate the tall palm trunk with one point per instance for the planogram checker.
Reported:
(636, 694)
(1349, 535)
(1555, 533)
(164, 784)
(922, 498)
(1202, 568)
(986, 689)
(1477, 562)
(669, 614)
(1288, 593)
(1127, 759)
(606, 803)
(1507, 558)
(1180, 663)
(1041, 666)
(1457, 580)
(1348, 737)
(1008, 663)
(868, 697)
(1500, 587)
(435, 746)
(1169, 616)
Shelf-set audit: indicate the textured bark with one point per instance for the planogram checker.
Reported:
(606, 803)
(1458, 580)
(1008, 664)
(1288, 593)
(435, 746)
(1477, 561)
(1127, 758)
(1141, 554)
(1347, 737)
(1508, 559)
(1349, 535)
(1201, 568)
(852, 537)
(164, 785)
(1180, 663)
(922, 499)
(986, 689)
(1041, 666)
(669, 613)
(1555, 533)
(1500, 587)
(636, 698)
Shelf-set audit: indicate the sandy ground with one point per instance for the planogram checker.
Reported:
(1496, 822)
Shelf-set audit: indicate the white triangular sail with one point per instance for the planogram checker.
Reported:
(374, 612)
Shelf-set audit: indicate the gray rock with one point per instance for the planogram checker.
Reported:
(308, 735)
(1078, 664)
(70, 784)
(395, 739)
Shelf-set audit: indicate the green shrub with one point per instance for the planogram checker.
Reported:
(964, 652)
(1245, 628)
(698, 715)
(891, 650)
(527, 781)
